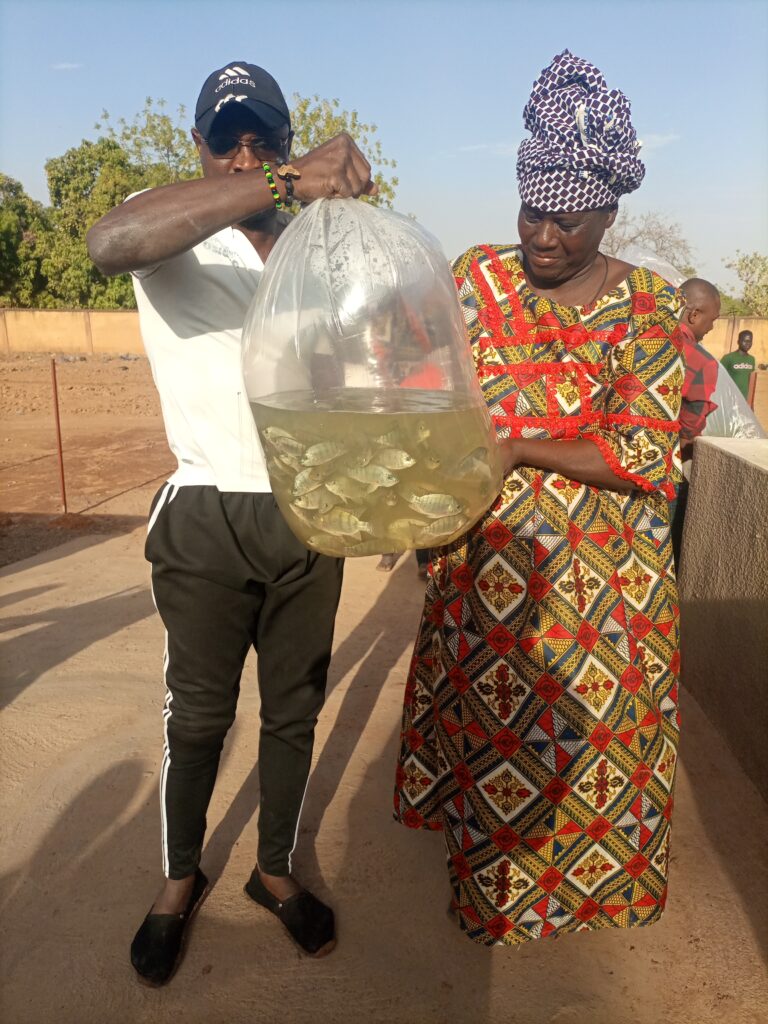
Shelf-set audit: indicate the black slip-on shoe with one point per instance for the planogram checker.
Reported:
(156, 947)
(308, 921)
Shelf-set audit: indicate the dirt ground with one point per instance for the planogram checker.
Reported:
(114, 449)
(80, 692)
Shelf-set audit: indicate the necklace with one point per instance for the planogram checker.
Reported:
(602, 283)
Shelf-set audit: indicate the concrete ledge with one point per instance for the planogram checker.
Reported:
(724, 595)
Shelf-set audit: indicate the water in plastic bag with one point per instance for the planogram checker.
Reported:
(361, 382)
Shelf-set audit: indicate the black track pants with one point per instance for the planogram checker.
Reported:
(227, 573)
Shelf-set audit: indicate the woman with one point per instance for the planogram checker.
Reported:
(540, 726)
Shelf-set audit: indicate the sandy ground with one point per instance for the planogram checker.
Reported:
(81, 694)
(115, 452)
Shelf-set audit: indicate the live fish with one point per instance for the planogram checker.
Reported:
(475, 464)
(441, 528)
(320, 498)
(434, 506)
(290, 461)
(319, 454)
(393, 458)
(372, 474)
(283, 441)
(329, 545)
(348, 489)
(406, 529)
(366, 547)
(430, 459)
(307, 480)
(301, 514)
(339, 521)
(358, 458)
(389, 440)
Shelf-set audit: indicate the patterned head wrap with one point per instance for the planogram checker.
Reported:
(583, 150)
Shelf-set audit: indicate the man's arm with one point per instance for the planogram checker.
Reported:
(157, 225)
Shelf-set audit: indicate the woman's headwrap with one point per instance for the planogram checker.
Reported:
(583, 150)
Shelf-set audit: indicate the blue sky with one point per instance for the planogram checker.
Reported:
(445, 82)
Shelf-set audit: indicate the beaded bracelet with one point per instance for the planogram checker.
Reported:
(287, 172)
(272, 186)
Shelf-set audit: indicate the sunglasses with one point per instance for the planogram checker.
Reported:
(225, 147)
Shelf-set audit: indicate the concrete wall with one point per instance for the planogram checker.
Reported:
(77, 330)
(722, 338)
(724, 596)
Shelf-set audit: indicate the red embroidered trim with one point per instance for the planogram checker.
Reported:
(490, 316)
(522, 330)
(538, 369)
(557, 428)
(610, 457)
(585, 419)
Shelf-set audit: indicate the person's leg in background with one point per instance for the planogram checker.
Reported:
(422, 561)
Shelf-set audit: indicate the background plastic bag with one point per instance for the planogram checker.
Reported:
(733, 416)
(362, 385)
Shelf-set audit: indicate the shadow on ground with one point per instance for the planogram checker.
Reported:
(49, 639)
(24, 534)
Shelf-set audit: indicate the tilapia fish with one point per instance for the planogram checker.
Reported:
(319, 454)
(434, 506)
(389, 440)
(441, 528)
(283, 441)
(393, 458)
(325, 542)
(307, 480)
(475, 464)
(406, 529)
(349, 490)
(319, 498)
(372, 474)
(343, 523)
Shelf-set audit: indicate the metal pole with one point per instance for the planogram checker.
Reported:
(58, 434)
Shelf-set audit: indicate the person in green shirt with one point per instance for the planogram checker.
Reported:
(740, 364)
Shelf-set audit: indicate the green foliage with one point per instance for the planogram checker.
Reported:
(22, 222)
(752, 270)
(84, 183)
(730, 306)
(314, 121)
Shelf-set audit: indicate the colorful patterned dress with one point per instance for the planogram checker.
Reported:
(541, 725)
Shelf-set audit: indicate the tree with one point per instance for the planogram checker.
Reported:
(731, 306)
(88, 181)
(152, 141)
(314, 121)
(22, 221)
(650, 231)
(752, 270)
(84, 183)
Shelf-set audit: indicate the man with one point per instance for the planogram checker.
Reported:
(227, 573)
(740, 364)
(702, 308)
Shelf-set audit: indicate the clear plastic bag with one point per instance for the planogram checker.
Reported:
(733, 416)
(361, 381)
